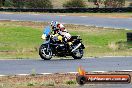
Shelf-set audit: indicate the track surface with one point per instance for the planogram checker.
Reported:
(11, 67)
(125, 23)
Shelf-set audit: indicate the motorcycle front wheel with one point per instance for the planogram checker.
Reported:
(45, 52)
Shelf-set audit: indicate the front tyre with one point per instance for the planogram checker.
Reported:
(77, 54)
(45, 52)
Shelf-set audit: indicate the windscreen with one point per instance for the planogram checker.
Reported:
(47, 30)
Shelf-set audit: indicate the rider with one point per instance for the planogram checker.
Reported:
(63, 32)
(55, 30)
(59, 28)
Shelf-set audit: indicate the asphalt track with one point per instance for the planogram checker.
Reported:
(13, 67)
(125, 23)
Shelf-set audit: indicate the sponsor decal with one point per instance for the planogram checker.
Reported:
(83, 78)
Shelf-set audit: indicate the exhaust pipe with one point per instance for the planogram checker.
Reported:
(76, 47)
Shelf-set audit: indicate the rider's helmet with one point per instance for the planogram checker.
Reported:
(61, 27)
(54, 24)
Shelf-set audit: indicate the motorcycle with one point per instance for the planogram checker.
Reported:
(54, 47)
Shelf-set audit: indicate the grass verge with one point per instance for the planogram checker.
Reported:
(22, 40)
(39, 81)
(46, 81)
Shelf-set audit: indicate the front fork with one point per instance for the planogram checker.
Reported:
(48, 47)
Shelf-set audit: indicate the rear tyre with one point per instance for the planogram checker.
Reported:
(45, 52)
(77, 54)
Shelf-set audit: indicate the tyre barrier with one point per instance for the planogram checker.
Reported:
(68, 10)
(129, 37)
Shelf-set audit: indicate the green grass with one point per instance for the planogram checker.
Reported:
(71, 82)
(14, 38)
(19, 40)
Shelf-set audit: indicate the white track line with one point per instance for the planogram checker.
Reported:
(83, 16)
(99, 71)
(1, 75)
(23, 74)
(61, 15)
(45, 73)
(72, 72)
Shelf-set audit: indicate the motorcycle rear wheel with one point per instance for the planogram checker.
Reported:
(44, 52)
(78, 54)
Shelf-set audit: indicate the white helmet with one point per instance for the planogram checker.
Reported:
(60, 26)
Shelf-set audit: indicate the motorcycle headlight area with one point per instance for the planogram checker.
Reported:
(43, 36)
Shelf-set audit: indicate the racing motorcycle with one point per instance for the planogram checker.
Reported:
(53, 47)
